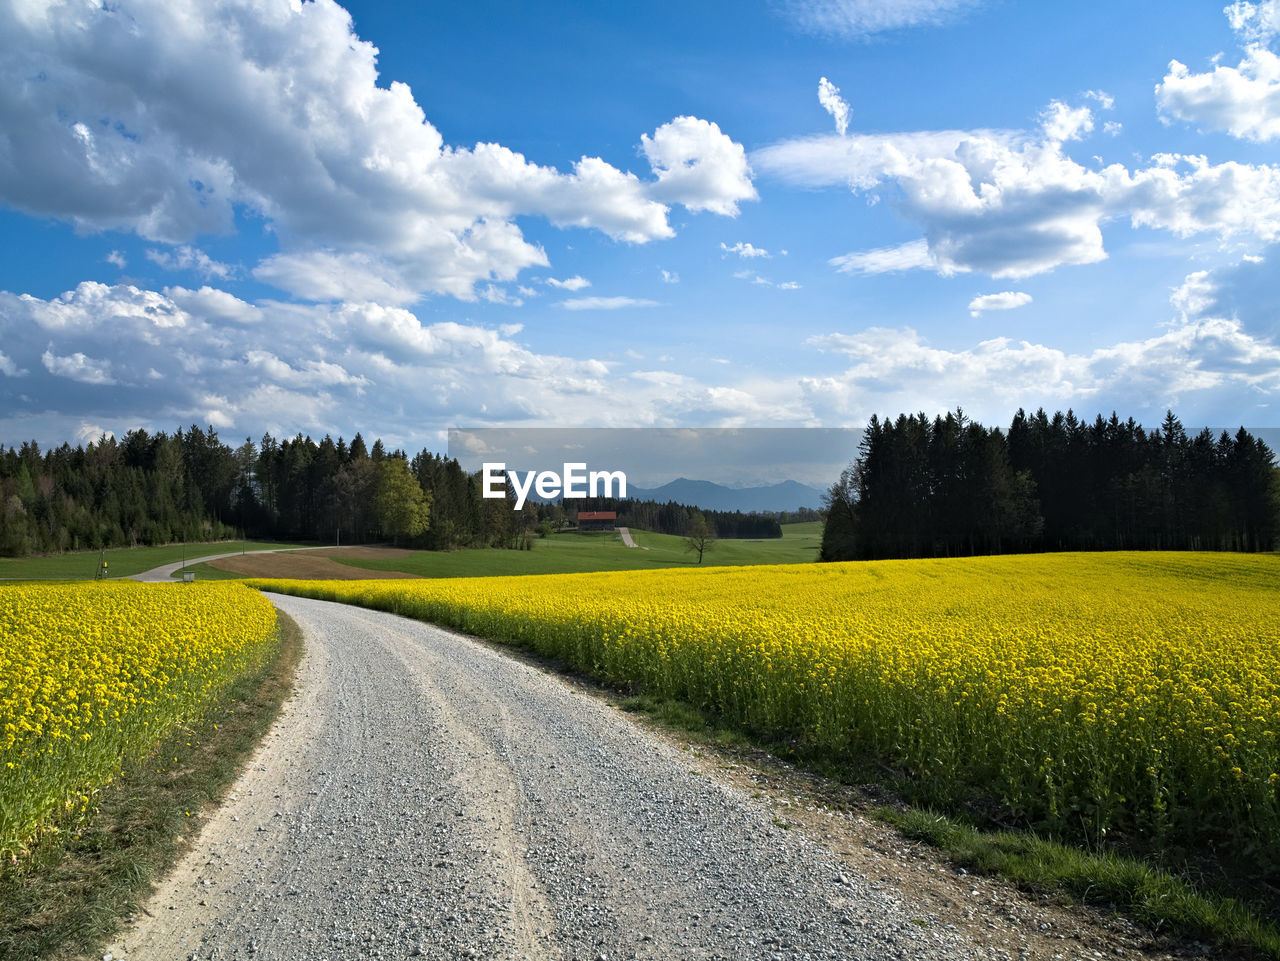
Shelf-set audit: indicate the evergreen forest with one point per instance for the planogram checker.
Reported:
(922, 487)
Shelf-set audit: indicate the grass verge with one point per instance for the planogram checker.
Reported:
(121, 561)
(69, 895)
(1152, 896)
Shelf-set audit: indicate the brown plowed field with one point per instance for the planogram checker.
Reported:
(312, 565)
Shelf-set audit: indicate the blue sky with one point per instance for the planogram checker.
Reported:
(405, 217)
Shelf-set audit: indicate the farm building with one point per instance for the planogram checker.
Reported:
(597, 520)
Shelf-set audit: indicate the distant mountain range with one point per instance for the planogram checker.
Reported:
(786, 496)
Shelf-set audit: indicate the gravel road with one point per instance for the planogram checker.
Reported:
(423, 795)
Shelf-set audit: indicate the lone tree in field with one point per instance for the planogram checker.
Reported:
(699, 535)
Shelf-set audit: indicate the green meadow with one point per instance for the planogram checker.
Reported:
(121, 561)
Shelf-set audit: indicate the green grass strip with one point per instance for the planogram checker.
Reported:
(1145, 893)
(68, 896)
(122, 561)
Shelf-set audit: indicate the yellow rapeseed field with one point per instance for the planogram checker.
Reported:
(94, 674)
(1089, 693)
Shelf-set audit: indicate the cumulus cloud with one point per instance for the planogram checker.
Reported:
(88, 433)
(698, 166)
(1014, 204)
(834, 104)
(1243, 100)
(1255, 22)
(111, 124)
(1211, 366)
(1247, 291)
(213, 305)
(1005, 300)
(162, 359)
(1062, 122)
(158, 359)
(856, 19)
(117, 259)
(77, 366)
(605, 303)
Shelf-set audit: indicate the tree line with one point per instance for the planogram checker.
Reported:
(946, 486)
(160, 488)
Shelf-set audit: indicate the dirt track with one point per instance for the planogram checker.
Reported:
(313, 565)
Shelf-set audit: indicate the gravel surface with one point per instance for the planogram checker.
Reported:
(423, 795)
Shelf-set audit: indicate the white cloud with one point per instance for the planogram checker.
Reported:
(78, 367)
(1005, 300)
(854, 19)
(112, 124)
(1255, 22)
(1248, 291)
(327, 367)
(186, 257)
(1243, 100)
(745, 251)
(499, 295)
(182, 356)
(8, 367)
(605, 303)
(576, 282)
(1061, 122)
(88, 433)
(328, 275)
(670, 277)
(1209, 365)
(123, 309)
(213, 304)
(117, 259)
(1010, 204)
(1104, 99)
(913, 255)
(834, 104)
(759, 280)
(698, 166)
